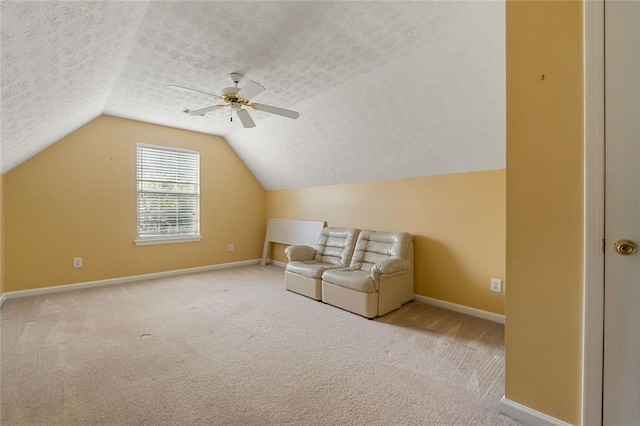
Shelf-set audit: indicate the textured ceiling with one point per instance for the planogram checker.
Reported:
(384, 89)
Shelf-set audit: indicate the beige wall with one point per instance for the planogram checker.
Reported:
(544, 206)
(458, 222)
(78, 198)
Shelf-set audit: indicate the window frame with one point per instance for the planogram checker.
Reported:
(169, 238)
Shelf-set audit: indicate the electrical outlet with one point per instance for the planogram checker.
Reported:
(496, 285)
(77, 262)
(231, 247)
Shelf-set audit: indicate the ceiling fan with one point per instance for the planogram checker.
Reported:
(236, 98)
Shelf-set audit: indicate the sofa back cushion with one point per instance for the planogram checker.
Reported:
(373, 247)
(335, 246)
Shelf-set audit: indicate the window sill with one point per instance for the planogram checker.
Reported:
(167, 240)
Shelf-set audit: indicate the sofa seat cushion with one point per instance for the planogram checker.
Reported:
(350, 278)
(310, 268)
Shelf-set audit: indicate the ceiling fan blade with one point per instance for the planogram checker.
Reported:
(173, 86)
(275, 110)
(250, 90)
(202, 111)
(246, 119)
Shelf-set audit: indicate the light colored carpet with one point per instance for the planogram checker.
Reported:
(232, 347)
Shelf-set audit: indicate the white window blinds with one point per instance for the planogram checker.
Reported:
(168, 192)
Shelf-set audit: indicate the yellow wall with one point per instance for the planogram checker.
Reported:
(458, 222)
(1, 234)
(544, 206)
(78, 198)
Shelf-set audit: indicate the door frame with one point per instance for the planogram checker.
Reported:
(594, 211)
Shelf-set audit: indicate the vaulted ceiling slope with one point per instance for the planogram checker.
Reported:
(384, 89)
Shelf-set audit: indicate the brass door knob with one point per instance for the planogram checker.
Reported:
(626, 247)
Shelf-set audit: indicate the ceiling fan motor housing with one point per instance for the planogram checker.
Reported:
(230, 95)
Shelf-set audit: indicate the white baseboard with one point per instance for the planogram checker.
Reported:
(490, 316)
(277, 263)
(528, 415)
(3, 298)
(112, 281)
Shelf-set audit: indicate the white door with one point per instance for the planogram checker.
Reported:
(621, 381)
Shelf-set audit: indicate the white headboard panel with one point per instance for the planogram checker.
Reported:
(290, 231)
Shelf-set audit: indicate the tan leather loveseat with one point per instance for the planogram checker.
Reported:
(376, 279)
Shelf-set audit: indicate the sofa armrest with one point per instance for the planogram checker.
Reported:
(299, 253)
(388, 267)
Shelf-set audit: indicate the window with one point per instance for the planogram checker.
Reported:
(168, 194)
